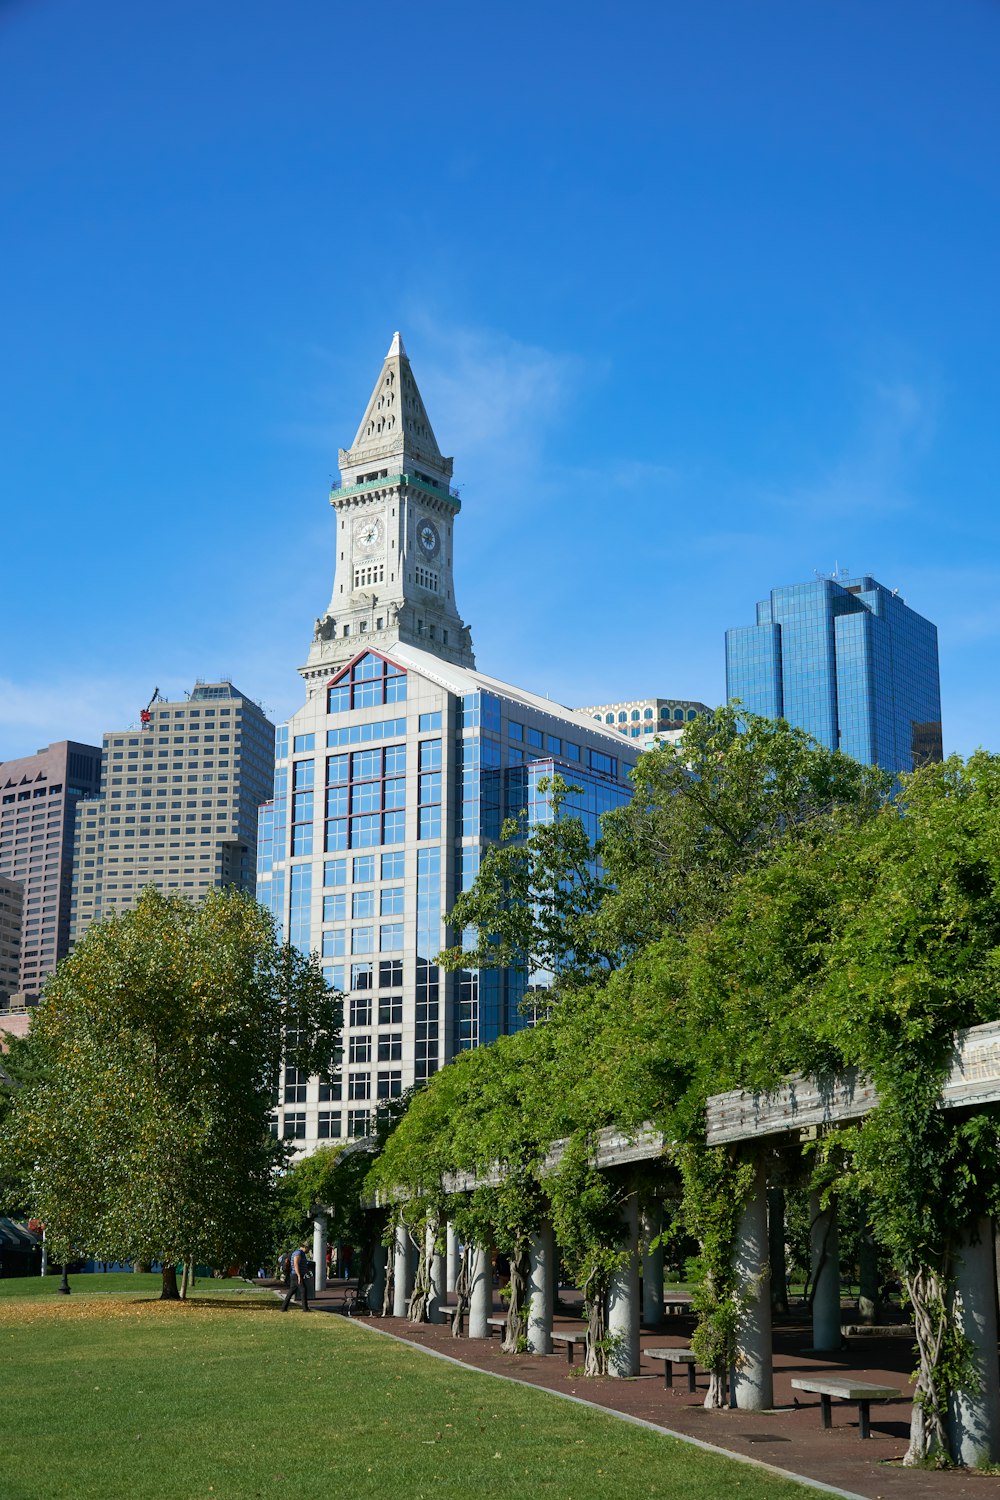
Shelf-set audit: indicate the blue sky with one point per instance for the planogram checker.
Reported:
(702, 298)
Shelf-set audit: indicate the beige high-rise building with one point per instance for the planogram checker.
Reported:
(178, 804)
(39, 798)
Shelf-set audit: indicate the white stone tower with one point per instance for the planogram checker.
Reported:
(395, 511)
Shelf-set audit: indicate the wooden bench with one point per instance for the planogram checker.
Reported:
(826, 1387)
(673, 1357)
(571, 1339)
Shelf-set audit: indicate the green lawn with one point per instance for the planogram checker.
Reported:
(128, 1398)
(116, 1284)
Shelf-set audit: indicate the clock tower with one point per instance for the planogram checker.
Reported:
(394, 510)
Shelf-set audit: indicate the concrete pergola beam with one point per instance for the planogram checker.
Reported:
(801, 1102)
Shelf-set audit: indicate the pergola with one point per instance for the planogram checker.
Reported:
(799, 1107)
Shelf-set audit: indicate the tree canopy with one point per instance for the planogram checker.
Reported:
(764, 907)
(143, 1133)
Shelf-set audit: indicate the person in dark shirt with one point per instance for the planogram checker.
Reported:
(298, 1282)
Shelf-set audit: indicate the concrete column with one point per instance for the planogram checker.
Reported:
(480, 1293)
(824, 1257)
(435, 1278)
(974, 1414)
(753, 1379)
(623, 1298)
(541, 1290)
(376, 1292)
(652, 1267)
(776, 1248)
(868, 1287)
(402, 1284)
(451, 1258)
(319, 1250)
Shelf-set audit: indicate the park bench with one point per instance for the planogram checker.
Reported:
(673, 1357)
(450, 1314)
(571, 1339)
(674, 1307)
(348, 1298)
(858, 1392)
(496, 1325)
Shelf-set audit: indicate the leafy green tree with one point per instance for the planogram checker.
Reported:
(533, 903)
(161, 1038)
(706, 810)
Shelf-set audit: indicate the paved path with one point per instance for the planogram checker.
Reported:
(789, 1437)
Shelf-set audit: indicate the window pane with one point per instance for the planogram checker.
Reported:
(363, 904)
(336, 769)
(392, 901)
(365, 831)
(363, 940)
(395, 760)
(394, 829)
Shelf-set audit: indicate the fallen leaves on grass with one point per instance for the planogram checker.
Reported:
(15, 1314)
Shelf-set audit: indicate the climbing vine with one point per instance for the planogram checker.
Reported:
(772, 909)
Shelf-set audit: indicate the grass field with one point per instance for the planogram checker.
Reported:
(128, 1398)
(118, 1283)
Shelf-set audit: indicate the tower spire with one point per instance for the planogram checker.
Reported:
(395, 509)
(395, 424)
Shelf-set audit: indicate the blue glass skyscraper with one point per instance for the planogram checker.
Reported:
(847, 660)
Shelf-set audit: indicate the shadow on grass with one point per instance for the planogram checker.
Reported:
(230, 1302)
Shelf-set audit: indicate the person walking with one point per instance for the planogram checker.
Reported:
(299, 1282)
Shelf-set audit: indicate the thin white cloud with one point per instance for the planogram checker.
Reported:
(488, 395)
(897, 424)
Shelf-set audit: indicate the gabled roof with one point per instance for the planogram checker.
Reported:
(342, 672)
(468, 680)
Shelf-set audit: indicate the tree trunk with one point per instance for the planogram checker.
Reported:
(140, 1267)
(389, 1291)
(928, 1436)
(595, 1305)
(185, 1269)
(168, 1288)
(516, 1312)
(462, 1287)
(416, 1309)
(715, 1398)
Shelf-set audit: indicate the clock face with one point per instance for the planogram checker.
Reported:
(368, 534)
(427, 536)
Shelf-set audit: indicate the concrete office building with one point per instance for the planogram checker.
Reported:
(647, 719)
(847, 660)
(39, 798)
(178, 803)
(396, 774)
(11, 922)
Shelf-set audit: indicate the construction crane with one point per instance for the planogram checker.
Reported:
(146, 717)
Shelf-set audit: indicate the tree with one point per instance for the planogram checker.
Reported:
(532, 905)
(160, 1040)
(719, 803)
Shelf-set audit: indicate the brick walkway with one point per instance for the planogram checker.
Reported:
(788, 1437)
